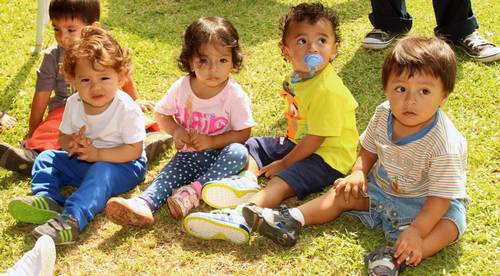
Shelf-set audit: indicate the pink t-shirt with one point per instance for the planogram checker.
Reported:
(229, 110)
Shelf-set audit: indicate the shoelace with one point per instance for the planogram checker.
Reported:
(379, 31)
(476, 41)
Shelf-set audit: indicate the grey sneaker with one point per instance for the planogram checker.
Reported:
(377, 39)
(34, 209)
(63, 229)
(17, 160)
(276, 224)
(478, 48)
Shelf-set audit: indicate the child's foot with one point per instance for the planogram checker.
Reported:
(34, 209)
(155, 144)
(382, 262)
(229, 192)
(63, 229)
(133, 212)
(276, 224)
(38, 261)
(182, 201)
(226, 224)
(14, 159)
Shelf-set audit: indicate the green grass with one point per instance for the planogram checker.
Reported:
(152, 29)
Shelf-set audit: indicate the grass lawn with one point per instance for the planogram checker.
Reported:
(152, 29)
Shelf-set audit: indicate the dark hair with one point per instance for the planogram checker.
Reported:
(312, 13)
(416, 54)
(100, 48)
(88, 11)
(209, 29)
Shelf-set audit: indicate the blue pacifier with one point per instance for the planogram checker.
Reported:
(312, 62)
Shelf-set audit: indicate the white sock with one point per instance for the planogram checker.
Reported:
(297, 215)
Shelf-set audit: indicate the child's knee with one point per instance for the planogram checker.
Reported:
(237, 151)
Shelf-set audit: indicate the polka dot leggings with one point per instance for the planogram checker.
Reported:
(187, 167)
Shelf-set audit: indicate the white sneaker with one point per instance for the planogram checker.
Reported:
(229, 192)
(480, 49)
(226, 224)
(39, 261)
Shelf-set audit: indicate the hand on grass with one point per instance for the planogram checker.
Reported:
(353, 185)
(273, 168)
(6, 121)
(409, 247)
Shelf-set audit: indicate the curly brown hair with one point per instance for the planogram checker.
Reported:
(312, 13)
(100, 48)
(205, 30)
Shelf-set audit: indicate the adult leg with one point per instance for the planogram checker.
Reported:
(102, 181)
(454, 18)
(390, 16)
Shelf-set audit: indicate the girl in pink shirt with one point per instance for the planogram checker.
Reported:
(208, 114)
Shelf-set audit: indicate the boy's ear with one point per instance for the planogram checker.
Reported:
(96, 24)
(335, 51)
(284, 51)
(444, 99)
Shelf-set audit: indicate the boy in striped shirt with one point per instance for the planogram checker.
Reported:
(409, 177)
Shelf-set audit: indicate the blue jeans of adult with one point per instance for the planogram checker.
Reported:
(95, 182)
(202, 166)
(455, 19)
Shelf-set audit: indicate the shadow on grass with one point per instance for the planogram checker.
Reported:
(11, 90)
(260, 17)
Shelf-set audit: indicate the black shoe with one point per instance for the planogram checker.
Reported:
(382, 262)
(478, 48)
(63, 229)
(278, 224)
(18, 160)
(377, 39)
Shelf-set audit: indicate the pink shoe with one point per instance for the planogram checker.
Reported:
(133, 212)
(182, 201)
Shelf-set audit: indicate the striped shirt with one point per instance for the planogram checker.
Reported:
(430, 162)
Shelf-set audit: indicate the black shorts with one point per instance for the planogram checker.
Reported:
(304, 177)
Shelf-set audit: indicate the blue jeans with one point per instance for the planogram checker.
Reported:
(393, 214)
(187, 167)
(95, 182)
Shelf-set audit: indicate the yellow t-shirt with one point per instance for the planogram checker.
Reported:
(323, 106)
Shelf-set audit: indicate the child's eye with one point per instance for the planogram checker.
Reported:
(84, 80)
(301, 41)
(322, 40)
(71, 30)
(425, 91)
(400, 89)
(203, 61)
(56, 29)
(224, 60)
(105, 78)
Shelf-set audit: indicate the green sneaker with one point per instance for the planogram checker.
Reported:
(63, 229)
(34, 209)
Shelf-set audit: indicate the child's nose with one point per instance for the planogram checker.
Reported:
(411, 97)
(313, 47)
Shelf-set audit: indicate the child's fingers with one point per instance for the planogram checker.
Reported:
(355, 191)
(81, 132)
(347, 192)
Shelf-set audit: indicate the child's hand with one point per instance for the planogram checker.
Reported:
(354, 184)
(79, 141)
(145, 105)
(6, 121)
(201, 141)
(409, 247)
(181, 138)
(88, 153)
(273, 168)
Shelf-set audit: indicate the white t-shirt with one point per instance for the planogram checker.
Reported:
(121, 123)
(431, 162)
(229, 110)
